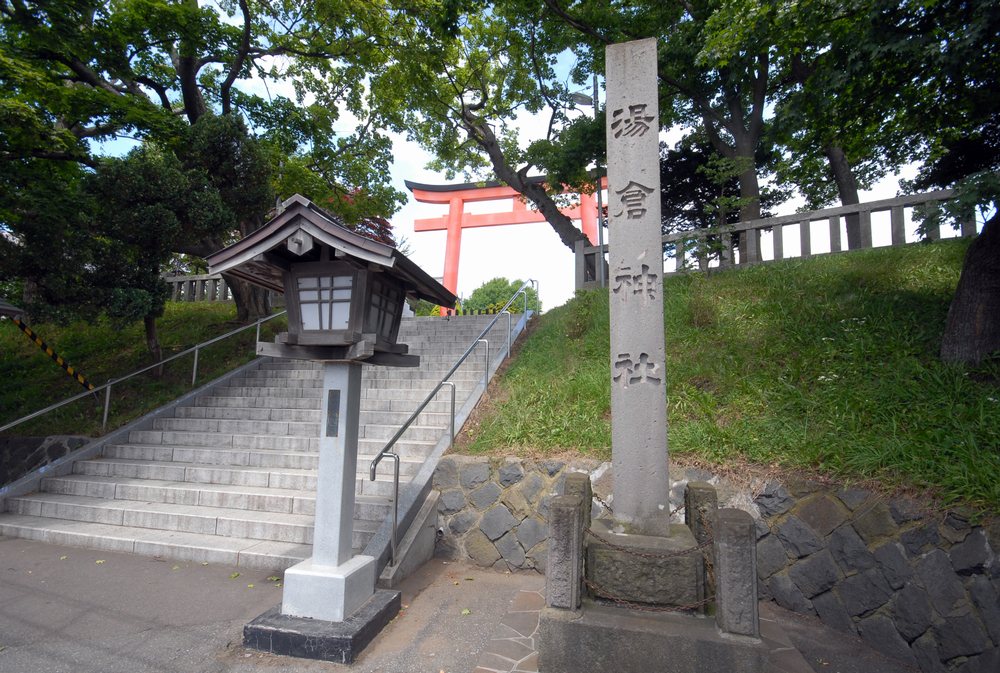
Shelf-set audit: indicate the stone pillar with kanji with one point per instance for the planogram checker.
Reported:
(638, 368)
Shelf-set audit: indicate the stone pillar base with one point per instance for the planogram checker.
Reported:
(601, 638)
(329, 593)
(645, 568)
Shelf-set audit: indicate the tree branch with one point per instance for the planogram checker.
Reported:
(241, 55)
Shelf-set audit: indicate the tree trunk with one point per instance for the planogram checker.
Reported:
(972, 331)
(153, 342)
(252, 302)
(847, 188)
(749, 205)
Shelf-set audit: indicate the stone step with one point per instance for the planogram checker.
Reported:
(440, 404)
(224, 440)
(170, 545)
(226, 522)
(249, 413)
(300, 460)
(422, 433)
(243, 427)
(440, 419)
(290, 384)
(413, 396)
(260, 391)
(262, 402)
(285, 374)
(257, 499)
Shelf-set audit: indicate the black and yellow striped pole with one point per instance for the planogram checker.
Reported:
(69, 369)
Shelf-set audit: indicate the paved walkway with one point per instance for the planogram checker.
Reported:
(76, 610)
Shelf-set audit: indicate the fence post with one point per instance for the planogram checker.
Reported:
(805, 237)
(897, 225)
(835, 244)
(866, 228)
(580, 265)
(778, 233)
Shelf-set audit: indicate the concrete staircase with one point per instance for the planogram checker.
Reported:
(230, 476)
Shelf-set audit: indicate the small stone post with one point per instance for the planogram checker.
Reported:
(638, 355)
(578, 483)
(565, 563)
(700, 504)
(736, 573)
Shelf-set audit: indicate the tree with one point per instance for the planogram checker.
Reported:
(493, 294)
(77, 71)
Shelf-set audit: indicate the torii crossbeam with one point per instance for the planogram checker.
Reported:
(456, 196)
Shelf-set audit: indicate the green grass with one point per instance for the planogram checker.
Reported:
(32, 381)
(827, 364)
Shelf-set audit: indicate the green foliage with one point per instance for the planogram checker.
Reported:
(493, 294)
(828, 363)
(101, 350)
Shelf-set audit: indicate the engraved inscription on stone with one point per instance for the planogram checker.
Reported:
(629, 370)
(633, 200)
(631, 121)
(629, 283)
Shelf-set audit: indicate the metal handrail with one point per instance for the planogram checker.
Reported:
(386, 450)
(111, 382)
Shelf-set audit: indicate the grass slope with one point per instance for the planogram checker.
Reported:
(100, 351)
(828, 363)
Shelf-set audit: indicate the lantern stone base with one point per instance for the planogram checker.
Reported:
(330, 593)
(340, 642)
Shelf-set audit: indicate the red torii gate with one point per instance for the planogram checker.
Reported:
(456, 196)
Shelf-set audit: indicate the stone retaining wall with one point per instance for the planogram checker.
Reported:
(920, 587)
(22, 455)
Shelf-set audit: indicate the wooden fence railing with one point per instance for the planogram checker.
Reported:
(198, 288)
(692, 249)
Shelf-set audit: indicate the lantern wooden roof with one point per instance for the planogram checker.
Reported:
(289, 238)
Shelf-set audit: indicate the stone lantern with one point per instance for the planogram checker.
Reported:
(345, 296)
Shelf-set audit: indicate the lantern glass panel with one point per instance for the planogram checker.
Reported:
(384, 310)
(324, 302)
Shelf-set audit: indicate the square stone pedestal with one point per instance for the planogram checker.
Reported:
(645, 568)
(329, 593)
(339, 642)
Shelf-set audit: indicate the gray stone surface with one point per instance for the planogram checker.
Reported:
(853, 497)
(480, 549)
(462, 522)
(532, 531)
(798, 538)
(893, 564)
(578, 484)
(645, 568)
(496, 521)
(919, 539)
(864, 592)
(452, 501)
(446, 474)
(787, 595)
(552, 467)
(935, 574)
(565, 553)
(511, 550)
(924, 650)
(822, 513)
(832, 613)
(971, 554)
(904, 510)
(773, 500)
(700, 504)
(735, 573)
(874, 521)
(485, 495)
(985, 598)
(879, 632)
(960, 635)
(638, 354)
(911, 612)
(771, 556)
(988, 662)
(849, 550)
(510, 474)
(814, 574)
(472, 474)
(532, 488)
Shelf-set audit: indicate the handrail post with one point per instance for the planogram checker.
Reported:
(194, 368)
(508, 332)
(107, 405)
(452, 420)
(257, 340)
(395, 506)
(486, 370)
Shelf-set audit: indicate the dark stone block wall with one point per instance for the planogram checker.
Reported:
(921, 587)
(21, 455)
